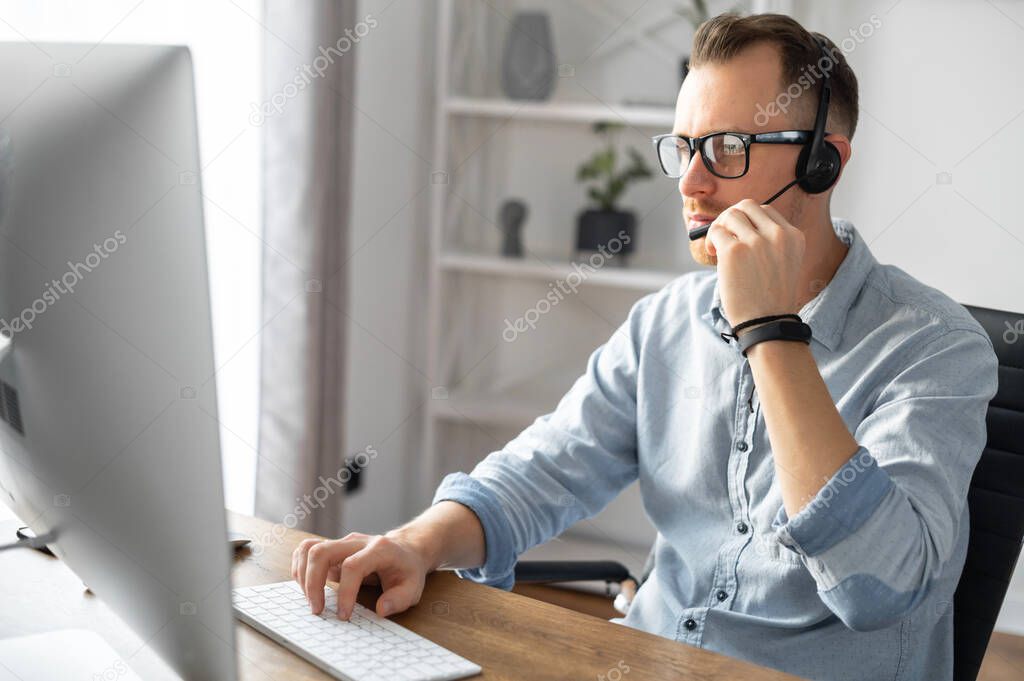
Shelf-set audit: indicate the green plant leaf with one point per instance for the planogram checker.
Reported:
(598, 197)
(588, 170)
(615, 188)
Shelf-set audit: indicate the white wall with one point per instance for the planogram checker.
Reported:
(937, 83)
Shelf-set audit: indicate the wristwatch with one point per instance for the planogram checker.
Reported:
(777, 330)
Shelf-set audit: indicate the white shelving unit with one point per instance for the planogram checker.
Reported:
(460, 270)
(506, 408)
(645, 280)
(454, 268)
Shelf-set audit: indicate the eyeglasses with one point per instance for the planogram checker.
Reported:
(725, 154)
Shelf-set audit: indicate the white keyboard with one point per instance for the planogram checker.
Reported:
(365, 648)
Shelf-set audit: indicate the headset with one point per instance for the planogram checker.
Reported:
(819, 163)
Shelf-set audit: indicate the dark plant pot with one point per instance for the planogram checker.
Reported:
(609, 231)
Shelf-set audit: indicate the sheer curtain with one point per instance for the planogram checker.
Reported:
(307, 118)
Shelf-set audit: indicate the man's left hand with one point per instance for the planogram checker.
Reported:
(760, 255)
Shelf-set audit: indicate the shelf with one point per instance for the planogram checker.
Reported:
(651, 117)
(615, 276)
(516, 407)
(495, 410)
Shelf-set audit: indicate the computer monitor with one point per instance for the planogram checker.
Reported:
(108, 427)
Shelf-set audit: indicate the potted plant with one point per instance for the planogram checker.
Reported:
(604, 222)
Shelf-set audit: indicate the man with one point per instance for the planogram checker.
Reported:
(816, 524)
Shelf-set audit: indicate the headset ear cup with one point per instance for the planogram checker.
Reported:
(818, 182)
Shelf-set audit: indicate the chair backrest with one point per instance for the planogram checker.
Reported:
(996, 501)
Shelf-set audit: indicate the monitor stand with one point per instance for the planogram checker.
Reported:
(27, 539)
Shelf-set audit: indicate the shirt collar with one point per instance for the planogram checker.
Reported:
(826, 312)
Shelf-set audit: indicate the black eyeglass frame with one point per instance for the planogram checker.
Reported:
(778, 137)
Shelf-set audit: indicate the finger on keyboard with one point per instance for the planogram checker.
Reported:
(300, 556)
(321, 558)
(354, 569)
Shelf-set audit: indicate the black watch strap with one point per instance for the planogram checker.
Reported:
(779, 330)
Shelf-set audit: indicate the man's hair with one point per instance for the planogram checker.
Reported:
(723, 37)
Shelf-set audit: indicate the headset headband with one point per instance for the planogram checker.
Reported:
(817, 158)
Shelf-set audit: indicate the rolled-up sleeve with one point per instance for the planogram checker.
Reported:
(883, 528)
(566, 466)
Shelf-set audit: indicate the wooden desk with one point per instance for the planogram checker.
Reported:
(510, 635)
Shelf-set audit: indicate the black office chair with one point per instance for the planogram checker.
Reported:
(996, 500)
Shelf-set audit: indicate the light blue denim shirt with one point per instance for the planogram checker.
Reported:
(859, 584)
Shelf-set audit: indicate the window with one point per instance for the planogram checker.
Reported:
(225, 41)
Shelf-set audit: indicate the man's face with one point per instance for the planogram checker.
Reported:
(725, 97)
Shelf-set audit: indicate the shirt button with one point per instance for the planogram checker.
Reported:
(741, 527)
(690, 624)
(721, 595)
(742, 446)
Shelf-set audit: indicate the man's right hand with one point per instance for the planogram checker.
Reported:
(446, 535)
(389, 560)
